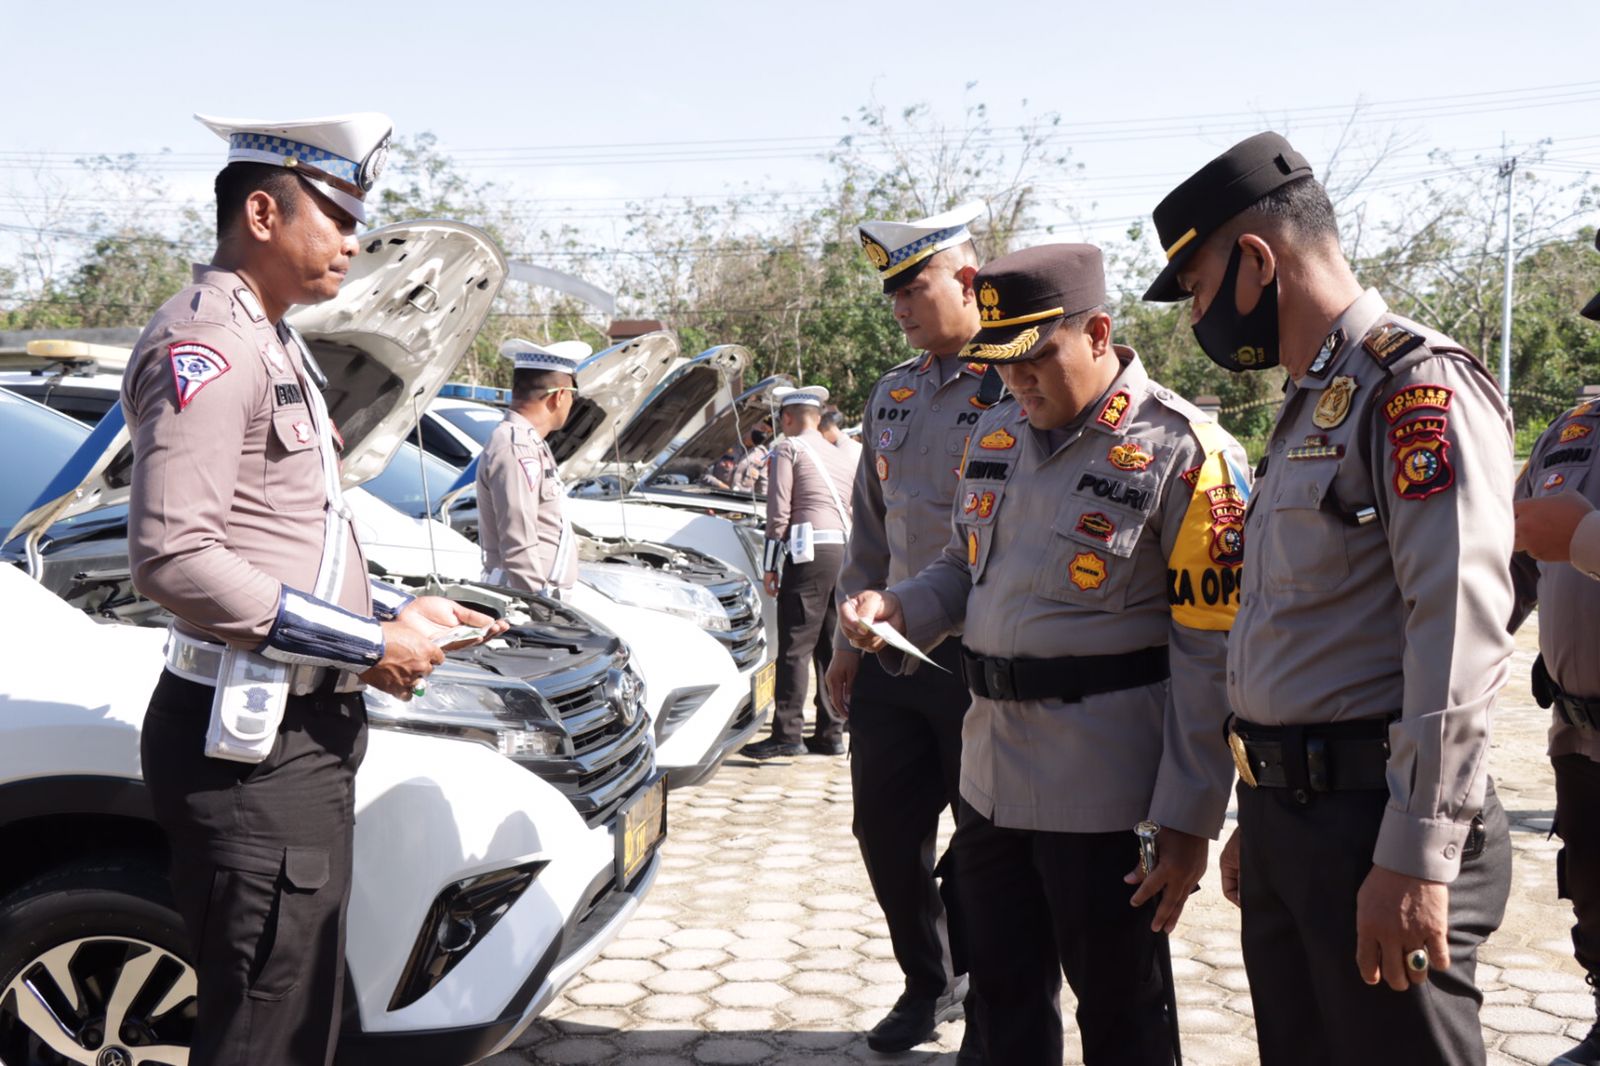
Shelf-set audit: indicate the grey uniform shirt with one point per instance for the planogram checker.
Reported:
(797, 491)
(1123, 537)
(1403, 614)
(913, 434)
(229, 500)
(520, 516)
(750, 472)
(1563, 460)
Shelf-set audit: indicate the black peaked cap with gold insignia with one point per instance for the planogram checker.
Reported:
(1215, 193)
(1024, 297)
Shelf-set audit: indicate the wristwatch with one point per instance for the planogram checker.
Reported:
(1146, 832)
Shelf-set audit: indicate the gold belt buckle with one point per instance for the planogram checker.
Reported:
(1241, 758)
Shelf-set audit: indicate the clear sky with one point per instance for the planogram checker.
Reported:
(527, 94)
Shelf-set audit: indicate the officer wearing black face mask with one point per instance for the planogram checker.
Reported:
(1372, 857)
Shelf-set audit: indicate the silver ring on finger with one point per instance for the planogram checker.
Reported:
(1417, 961)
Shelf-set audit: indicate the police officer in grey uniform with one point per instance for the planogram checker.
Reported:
(236, 525)
(1561, 473)
(808, 522)
(523, 529)
(1372, 857)
(1094, 567)
(750, 472)
(905, 732)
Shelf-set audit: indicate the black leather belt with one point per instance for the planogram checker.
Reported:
(1579, 711)
(1329, 757)
(1069, 678)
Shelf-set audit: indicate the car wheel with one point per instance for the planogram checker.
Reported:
(94, 969)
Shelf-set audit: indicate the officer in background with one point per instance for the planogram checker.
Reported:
(1561, 526)
(832, 430)
(808, 519)
(1566, 676)
(1372, 856)
(905, 732)
(523, 529)
(1094, 573)
(236, 525)
(750, 473)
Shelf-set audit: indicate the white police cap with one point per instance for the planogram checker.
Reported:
(562, 357)
(810, 396)
(342, 155)
(899, 250)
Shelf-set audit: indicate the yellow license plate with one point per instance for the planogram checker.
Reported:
(764, 687)
(643, 826)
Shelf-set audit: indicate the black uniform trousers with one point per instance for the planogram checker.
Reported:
(905, 769)
(1578, 864)
(1037, 903)
(805, 635)
(261, 871)
(1301, 866)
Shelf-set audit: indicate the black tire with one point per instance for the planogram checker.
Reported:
(97, 916)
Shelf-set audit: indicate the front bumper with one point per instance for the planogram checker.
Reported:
(746, 724)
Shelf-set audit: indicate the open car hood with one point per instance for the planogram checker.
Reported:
(693, 393)
(611, 385)
(722, 431)
(408, 311)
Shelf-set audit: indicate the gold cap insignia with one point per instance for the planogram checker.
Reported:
(989, 297)
(877, 255)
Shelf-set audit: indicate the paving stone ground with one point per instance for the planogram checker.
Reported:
(761, 942)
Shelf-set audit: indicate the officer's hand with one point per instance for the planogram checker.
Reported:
(865, 607)
(408, 657)
(1180, 863)
(770, 581)
(432, 615)
(841, 676)
(1545, 525)
(1228, 867)
(1395, 915)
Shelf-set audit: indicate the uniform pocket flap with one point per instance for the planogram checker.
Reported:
(305, 868)
(294, 430)
(248, 858)
(890, 438)
(1304, 484)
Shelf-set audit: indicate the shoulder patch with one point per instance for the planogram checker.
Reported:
(532, 469)
(251, 305)
(194, 366)
(1421, 457)
(1417, 398)
(1388, 341)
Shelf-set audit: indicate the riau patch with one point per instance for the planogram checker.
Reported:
(1316, 447)
(251, 305)
(972, 547)
(1421, 458)
(1575, 431)
(1129, 456)
(1115, 410)
(1190, 476)
(986, 505)
(1417, 398)
(1227, 503)
(1387, 341)
(532, 469)
(1554, 481)
(998, 441)
(194, 366)
(1096, 525)
(1566, 457)
(901, 395)
(1087, 571)
(883, 469)
(1334, 406)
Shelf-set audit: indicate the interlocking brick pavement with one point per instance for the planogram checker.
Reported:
(761, 942)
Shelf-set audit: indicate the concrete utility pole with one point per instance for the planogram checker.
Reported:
(1508, 171)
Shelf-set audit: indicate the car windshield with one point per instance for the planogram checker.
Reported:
(39, 443)
(400, 483)
(476, 422)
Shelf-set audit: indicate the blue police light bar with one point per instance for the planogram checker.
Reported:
(480, 393)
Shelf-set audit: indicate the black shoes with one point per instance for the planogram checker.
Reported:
(915, 1019)
(771, 748)
(822, 746)
(1588, 1052)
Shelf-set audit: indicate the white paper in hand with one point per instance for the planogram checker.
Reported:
(891, 636)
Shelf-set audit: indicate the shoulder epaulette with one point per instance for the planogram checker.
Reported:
(1388, 341)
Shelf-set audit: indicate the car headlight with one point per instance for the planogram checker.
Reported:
(656, 592)
(501, 713)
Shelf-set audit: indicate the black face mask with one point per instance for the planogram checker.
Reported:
(1240, 342)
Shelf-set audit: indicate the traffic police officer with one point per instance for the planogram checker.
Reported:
(523, 529)
(808, 519)
(1371, 640)
(905, 732)
(1561, 472)
(1094, 568)
(236, 526)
